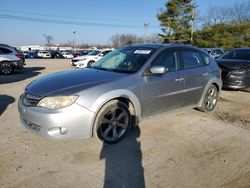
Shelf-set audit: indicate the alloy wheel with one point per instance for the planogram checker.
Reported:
(211, 98)
(6, 68)
(114, 124)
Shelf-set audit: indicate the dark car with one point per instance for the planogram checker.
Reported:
(31, 55)
(235, 67)
(56, 54)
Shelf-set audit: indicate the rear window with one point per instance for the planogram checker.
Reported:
(241, 54)
(5, 51)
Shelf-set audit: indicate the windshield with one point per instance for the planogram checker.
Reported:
(125, 60)
(241, 54)
(94, 52)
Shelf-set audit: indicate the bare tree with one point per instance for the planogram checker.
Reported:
(49, 39)
(240, 12)
(119, 40)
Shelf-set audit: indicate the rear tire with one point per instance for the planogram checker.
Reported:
(210, 99)
(6, 68)
(112, 122)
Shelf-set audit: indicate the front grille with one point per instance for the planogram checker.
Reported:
(74, 60)
(30, 100)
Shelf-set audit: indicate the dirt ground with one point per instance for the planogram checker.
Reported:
(183, 149)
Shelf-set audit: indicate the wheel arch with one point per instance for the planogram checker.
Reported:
(217, 83)
(129, 98)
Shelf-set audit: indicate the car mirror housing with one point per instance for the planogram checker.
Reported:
(158, 70)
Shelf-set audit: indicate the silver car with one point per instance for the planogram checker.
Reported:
(118, 91)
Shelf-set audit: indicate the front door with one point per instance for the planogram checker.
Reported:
(163, 92)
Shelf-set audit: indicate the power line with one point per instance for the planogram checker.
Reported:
(67, 22)
(70, 17)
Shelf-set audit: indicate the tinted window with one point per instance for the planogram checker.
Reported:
(243, 54)
(5, 51)
(168, 59)
(105, 52)
(94, 53)
(205, 58)
(218, 51)
(191, 60)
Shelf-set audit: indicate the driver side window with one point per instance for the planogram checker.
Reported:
(168, 59)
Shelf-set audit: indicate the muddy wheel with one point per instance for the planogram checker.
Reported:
(6, 68)
(112, 122)
(210, 99)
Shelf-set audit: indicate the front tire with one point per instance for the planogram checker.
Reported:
(90, 63)
(210, 99)
(6, 68)
(112, 122)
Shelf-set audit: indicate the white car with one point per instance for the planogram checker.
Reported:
(10, 59)
(67, 55)
(87, 60)
(44, 54)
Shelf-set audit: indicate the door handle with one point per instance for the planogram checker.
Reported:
(205, 74)
(179, 79)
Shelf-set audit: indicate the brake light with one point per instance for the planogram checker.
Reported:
(21, 56)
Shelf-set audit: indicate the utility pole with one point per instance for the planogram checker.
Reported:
(192, 26)
(74, 39)
(146, 25)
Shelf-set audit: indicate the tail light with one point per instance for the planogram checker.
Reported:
(21, 56)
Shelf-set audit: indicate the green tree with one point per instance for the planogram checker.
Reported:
(225, 35)
(176, 19)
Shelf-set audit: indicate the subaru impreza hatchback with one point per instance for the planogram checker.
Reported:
(118, 91)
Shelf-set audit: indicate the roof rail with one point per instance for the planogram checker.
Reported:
(166, 41)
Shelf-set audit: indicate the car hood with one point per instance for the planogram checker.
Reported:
(233, 64)
(83, 56)
(70, 82)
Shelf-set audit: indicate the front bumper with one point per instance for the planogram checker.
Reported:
(73, 122)
(236, 82)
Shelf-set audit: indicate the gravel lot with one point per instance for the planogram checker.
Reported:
(182, 149)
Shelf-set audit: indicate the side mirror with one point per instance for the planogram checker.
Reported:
(101, 55)
(158, 70)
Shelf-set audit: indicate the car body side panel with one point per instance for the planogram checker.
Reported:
(195, 81)
(162, 93)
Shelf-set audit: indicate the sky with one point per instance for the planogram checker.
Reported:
(94, 22)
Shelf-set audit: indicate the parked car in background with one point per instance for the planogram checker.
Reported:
(67, 55)
(10, 59)
(31, 55)
(56, 54)
(80, 53)
(44, 54)
(214, 52)
(235, 68)
(119, 90)
(91, 58)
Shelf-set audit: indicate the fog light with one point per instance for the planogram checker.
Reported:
(57, 131)
(238, 82)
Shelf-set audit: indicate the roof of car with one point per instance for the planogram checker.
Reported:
(158, 45)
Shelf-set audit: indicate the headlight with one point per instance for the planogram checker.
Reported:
(57, 102)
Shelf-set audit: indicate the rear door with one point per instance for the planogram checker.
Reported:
(163, 92)
(197, 75)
